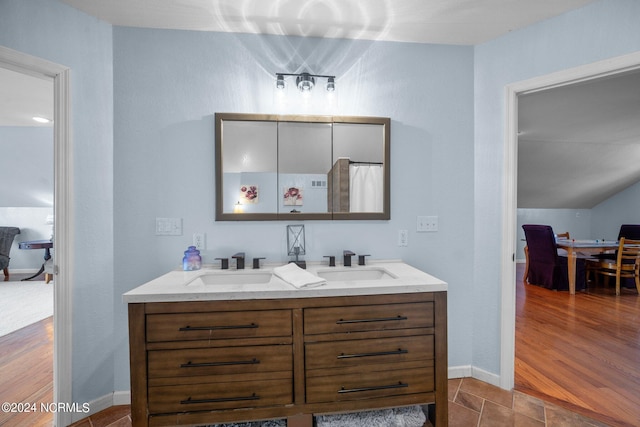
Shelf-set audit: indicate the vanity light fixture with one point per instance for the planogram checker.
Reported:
(305, 81)
(331, 84)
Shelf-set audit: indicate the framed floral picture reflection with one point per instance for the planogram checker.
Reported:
(249, 194)
(293, 196)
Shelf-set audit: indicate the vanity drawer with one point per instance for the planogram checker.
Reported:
(214, 396)
(368, 318)
(219, 361)
(338, 354)
(379, 384)
(218, 325)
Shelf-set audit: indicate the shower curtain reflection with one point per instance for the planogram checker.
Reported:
(366, 183)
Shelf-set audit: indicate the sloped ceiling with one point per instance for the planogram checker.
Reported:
(579, 144)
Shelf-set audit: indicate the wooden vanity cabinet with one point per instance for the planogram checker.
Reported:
(205, 362)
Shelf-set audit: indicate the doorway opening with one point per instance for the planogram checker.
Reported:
(63, 174)
(579, 74)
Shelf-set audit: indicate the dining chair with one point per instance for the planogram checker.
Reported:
(626, 265)
(545, 266)
(7, 234)
(561, 252)
(629, 231)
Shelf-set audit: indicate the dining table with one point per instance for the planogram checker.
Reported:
(587, 247)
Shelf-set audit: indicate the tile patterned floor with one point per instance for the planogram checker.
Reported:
(472, 403)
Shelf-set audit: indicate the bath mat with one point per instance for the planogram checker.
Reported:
(411, 416)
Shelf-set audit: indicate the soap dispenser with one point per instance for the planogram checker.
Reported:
(192, 259)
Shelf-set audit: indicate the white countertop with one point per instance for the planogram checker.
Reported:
(181, 285)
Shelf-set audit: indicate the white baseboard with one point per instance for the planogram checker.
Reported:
(122, 398)
(104, 402)
(467, 371)
(460, 371)
(22, 270)
(487, 377)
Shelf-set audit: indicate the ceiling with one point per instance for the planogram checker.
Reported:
(22, 97)
(577, 144)
(465, 22)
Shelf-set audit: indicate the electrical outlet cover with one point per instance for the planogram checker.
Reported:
(403, 238)
(198, 241)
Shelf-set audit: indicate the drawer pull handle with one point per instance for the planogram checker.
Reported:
(189, 364)
(379, 353)
(380, 387)
(215, 328)
(380, 319)
(190, 401)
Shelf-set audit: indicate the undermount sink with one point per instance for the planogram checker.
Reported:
(231, 278)
(355, 274)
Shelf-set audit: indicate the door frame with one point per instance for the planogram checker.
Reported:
(566, 77)
(63, 213)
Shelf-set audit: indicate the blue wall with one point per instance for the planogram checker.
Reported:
(623, 208)
(143, 104)
(26, 166)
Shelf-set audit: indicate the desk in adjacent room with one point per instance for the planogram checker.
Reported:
(39, 244)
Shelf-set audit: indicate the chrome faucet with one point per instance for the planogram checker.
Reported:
(239, 257)
(347, 258)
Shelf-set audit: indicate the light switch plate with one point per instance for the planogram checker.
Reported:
(168, 226)
(427, 223)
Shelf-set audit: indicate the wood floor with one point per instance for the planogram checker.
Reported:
(580, 351)
(26, 373)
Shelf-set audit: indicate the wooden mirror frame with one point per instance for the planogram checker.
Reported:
(219, 182)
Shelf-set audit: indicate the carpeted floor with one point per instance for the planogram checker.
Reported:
(24, 303)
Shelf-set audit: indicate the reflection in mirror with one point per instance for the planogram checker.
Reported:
(304, 158)
(250, 167)
(357, 176)
(271, 167)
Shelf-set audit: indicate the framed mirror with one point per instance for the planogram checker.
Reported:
(286, 167)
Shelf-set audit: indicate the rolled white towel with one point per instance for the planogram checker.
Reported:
(298, 277)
